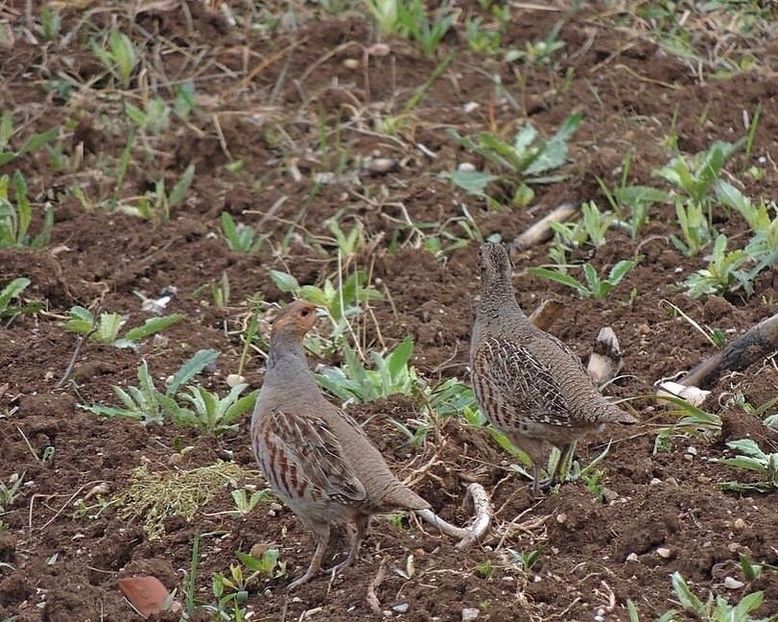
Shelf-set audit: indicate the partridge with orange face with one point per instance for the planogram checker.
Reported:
(315, 457)
(528, 383)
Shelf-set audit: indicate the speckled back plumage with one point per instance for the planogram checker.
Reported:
(528, 382)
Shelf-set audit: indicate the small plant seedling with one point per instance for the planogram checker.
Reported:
(245, 502)
(16, 216)
(10, 491)
(118, 55)
(526, 160)
(595, 287)
(752, 458)
(12, 291)
(724, 273)
(231, 590)
(157, 204)
(105, 328)
(33, 143)
(525, 559)
(348, 244)
(715, 608)
(692, 422)
(240, 238)
(209, 413)
(154, 118)
(410, 19)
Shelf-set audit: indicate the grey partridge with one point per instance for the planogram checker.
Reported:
(528, 383)
(315, 457)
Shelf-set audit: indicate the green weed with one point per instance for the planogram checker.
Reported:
(106, 327)
(16, 216)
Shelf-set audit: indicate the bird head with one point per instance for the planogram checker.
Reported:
(297, 319)
(493, 262)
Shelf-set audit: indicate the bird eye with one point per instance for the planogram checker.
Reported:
(305, 312)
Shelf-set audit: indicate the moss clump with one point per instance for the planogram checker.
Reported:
(154, 497)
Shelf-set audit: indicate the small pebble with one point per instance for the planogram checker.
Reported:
(731, 583)
(609, 495)
(401, 607)
(381, 165)
(466, 167)
(233, 380)
(632, 557)
(350, 63)
(469, 614)
(664, 552)
(561, 518)
(739, 524)
(470, 107)
(691, 450)
(644, 329)
(655, 481)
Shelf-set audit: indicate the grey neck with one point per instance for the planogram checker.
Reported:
(498, 300)
(287, 364)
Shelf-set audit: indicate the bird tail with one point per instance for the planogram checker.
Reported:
(614, 414)
(400, 496)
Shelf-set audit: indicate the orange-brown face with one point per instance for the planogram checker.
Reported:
(299, 317)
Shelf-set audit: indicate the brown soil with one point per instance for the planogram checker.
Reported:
(59, 564)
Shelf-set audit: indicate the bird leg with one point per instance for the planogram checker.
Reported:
(357, 535)
(321, 533)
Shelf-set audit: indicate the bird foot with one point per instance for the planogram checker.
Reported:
(300, 581)
(338, 568)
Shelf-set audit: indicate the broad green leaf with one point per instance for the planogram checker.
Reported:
(109, 325)
(11, 291)
(36, 141)
(472, 182)
(687, 598)
(559, 277)
(178, 193)
(285, 282)
(399, 358)
(640, 195)
(197, 363)
(81, 320)
(151, 326)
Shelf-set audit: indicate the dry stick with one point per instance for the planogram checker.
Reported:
(757, 343)
(541, 230)
(469, 535)
(372, 596)
(74, 358)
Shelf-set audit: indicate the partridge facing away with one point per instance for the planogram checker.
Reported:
(528, 383)
(315, 457)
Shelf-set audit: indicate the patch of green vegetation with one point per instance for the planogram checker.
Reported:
(714, 609)
(106, 327)
(692, 422)
(354, 382)
(241, 238)
(16, 216)
(595, 286)
(412, 20)
(751, 457)
(528, 159)
(192, 406)
(11, 292)
(9, 492)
